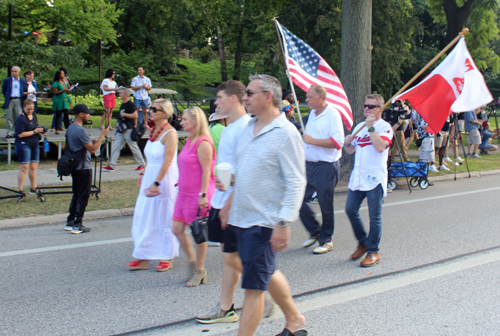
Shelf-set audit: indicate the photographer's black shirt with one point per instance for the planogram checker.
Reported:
(23, 124)
(128, 107)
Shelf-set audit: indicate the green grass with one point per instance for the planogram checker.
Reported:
(114, 195)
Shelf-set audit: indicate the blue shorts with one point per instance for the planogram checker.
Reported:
(257, 257)
(141, 103)
(27, 154)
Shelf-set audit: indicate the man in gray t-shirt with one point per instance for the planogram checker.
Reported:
(78, 139)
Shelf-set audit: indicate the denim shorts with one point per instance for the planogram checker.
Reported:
(257, 257)
(141, 103)
(27, 154)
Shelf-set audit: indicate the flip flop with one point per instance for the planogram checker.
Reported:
(287, 332)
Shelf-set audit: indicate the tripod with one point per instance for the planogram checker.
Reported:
(454, 121)
(392, 183)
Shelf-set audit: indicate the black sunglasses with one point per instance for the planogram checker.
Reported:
(154, 110)
(250, 93)
(371, 107)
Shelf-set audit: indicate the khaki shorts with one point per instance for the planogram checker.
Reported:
(474, 137)
(441, 141)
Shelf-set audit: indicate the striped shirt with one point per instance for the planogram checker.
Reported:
(269, 175)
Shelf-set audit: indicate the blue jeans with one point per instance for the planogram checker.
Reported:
(374, 198)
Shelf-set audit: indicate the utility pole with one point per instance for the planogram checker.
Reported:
(10, 34)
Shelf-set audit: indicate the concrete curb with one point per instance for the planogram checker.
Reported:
(100, 214)
(61, 218)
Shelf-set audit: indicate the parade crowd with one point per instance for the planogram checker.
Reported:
(276, 166)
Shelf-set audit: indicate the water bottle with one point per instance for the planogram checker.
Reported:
(46, 146)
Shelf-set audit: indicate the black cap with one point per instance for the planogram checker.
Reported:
(82, 108)
(285, 93)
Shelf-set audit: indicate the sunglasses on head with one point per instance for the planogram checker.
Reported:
(154, 110)
(371, 107)
(250, 93)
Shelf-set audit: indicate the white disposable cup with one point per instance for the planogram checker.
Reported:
(224, 174)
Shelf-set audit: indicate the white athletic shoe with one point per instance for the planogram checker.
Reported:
(433, 169)
(447, 159)
(459, 159)
(443, 167)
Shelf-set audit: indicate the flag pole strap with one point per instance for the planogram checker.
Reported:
(438, 56)
(288, 74)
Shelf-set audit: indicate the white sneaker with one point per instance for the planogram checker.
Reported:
(326, 247)
(456, 163)
(433, 169)
(270, 306)
(459, 159)
(447, 159)
(311, 241)
(443, 167)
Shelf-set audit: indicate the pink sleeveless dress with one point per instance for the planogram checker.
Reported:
(190, 174)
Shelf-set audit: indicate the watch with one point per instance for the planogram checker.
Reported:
(34, 132)
(203, 195)
(371, 129)
(156, 183)
(284, 224)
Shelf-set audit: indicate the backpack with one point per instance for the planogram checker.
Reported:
(68, 163)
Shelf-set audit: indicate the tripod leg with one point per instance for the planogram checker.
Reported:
(465, 156)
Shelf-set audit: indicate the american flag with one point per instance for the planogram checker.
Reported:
(307, 67)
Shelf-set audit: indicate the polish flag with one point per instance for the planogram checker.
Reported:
(456, 85)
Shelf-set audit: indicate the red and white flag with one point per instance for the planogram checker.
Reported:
(456, 85)
(307, 67)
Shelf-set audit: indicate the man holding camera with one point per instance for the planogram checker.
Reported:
(79, 144)
(399, 130)
(368, 178)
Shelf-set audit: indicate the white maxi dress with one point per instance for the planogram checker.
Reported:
(152, 225)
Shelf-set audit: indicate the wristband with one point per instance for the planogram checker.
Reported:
(156, 183)
(284, 224)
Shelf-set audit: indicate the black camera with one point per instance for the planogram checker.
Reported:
(391, 115)
(45, 129)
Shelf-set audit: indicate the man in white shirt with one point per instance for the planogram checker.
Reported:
(368, 178)
(141, 85)
(229, 102)
(323, 141)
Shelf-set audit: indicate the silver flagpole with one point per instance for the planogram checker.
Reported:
(280, 34)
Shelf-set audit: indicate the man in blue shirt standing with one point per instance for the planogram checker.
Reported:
(12, 90)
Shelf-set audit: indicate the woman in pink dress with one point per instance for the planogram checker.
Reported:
(196, 184)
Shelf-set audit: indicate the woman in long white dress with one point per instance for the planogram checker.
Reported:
(152, 224)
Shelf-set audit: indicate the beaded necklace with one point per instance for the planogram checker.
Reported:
(152, 137)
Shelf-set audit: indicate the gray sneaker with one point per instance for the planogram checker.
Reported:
(217, 315)
(475, 156)
(270, 306)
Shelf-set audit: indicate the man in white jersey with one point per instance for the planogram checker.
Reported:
(229, 102)
(368, 178)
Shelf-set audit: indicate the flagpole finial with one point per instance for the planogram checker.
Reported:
(464, 31)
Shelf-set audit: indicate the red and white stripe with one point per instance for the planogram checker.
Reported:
(327, 78)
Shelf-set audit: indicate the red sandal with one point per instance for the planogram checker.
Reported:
(164, 266)
(138, 265)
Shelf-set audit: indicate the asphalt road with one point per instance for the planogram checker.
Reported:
(439, 275)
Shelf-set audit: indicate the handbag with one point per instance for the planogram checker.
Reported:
(137, 132)
(199, 228)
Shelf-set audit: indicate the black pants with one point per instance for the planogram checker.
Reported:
(82, 182)
(322, 177)
(62, 115)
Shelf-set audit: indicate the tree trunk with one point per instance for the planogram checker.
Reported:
(456, 17)
(239, 45)
(222, 54)
(355, 61)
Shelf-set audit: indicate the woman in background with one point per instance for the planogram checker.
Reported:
(108, 88)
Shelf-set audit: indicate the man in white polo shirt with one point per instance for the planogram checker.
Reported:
(141, 85)
(368, 178)
(323, 141)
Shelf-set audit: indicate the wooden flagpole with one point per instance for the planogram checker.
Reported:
(438, 56)
(278, 31)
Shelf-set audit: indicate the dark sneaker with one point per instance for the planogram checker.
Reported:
(32, 191)
(217, 315)
(80, 229)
